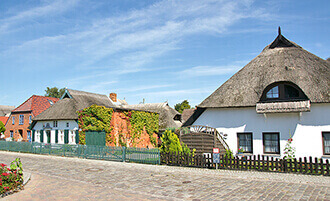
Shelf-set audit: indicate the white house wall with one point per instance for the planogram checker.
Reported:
(61, 126)
(306, 129)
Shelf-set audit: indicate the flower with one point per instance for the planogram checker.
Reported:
(3, 165)
(8, 169)
(290, 139)
(5, 174)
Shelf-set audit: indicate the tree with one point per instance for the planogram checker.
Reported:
(54, 92)
(2, 127)
(181, 106)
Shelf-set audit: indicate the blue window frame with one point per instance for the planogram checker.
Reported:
(21, 119)
(11, 134)
(13, 120)
(30, 119)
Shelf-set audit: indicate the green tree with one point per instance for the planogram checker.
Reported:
(181, 106)
(2, 127)
(54, 92)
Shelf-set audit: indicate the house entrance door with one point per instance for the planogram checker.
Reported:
(48, 136)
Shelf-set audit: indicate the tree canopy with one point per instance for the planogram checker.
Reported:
(2, 127)
(181, 106)
(54, 92)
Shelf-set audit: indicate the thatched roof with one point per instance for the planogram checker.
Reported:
(186, 113)
(5, 110)
(71, 102)
(282, 60)
(168, 117)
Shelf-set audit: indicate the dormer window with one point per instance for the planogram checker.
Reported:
(282, 91)
(273, 93)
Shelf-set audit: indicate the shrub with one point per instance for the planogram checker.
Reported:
(11, 178)
(171, 143)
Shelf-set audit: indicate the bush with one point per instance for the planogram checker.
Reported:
(11, 178)
(171, 143)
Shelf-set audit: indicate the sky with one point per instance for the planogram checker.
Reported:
(169, 50)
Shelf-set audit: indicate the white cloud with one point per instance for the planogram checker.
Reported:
(56, 7)
(209, 70)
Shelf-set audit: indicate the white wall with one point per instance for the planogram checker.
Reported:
(306, 130)
(61, 126)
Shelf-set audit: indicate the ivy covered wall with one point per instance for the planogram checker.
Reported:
(123, 128)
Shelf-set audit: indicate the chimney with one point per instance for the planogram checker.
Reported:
(113, 97)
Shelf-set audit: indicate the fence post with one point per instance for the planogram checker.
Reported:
(124, 154)
(321, 165)
(316, 166)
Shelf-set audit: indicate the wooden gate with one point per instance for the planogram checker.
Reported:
(203, 139)
(95, 138)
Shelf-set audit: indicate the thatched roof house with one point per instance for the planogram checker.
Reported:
(283, 93)
(168, 117)
(71, 102)
(280, 61)
(5, 110)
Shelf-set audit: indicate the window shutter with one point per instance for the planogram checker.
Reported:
(56, 136)
(41, 136)
(33, 134)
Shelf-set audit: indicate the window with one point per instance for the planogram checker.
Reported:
(11, 133)
(273, 93)
(54, 123)
(21, 119)
(282, 91)
(13, 120)
(244, 141)
(271, 142)
(67, 124)
(326, 143)
(50, 102)
(30, 119)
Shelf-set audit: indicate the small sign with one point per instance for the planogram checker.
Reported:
(216, 157)
(216, 150)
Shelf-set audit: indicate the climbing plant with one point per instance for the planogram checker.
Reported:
(95, 118)
(140, 120)
(98, 118)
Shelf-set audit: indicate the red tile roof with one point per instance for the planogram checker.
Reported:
(4, 120)
(36, 104)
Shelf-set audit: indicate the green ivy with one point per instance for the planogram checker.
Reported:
(95, 118)
(147, 120)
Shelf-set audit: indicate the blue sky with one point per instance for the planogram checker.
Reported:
(156, 50)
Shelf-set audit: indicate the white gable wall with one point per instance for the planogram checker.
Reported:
(61, 126)
(306, 130)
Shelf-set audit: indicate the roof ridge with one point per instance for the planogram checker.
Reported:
(86, 92)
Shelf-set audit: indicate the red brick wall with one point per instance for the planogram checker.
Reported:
(16, 127)
(122, 129)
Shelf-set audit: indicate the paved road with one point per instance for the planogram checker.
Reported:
(60, 178)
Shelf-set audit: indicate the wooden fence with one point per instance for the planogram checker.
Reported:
(257, 163)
